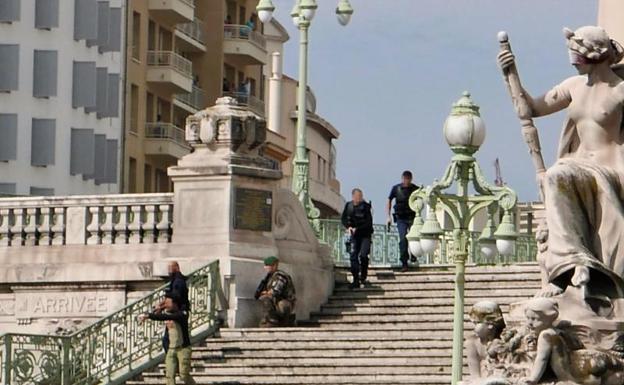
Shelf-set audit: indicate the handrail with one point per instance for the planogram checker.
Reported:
(385, 247)
(243, 32)
(113, 349)
(170, 59)
(194, 99)
(193, 29)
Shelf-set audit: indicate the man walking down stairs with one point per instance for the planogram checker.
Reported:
(396, 331)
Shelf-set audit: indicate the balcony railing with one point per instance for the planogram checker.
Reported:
(253, 103)
(194, 99)
(194, 30)
(243, 32)
(160, 130)
(172, 60)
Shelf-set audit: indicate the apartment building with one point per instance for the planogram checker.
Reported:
(61, 67)
(181, 56)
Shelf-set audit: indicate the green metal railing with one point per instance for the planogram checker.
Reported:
(112, 350)
(385, 247)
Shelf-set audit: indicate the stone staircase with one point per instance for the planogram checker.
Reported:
(397, 331)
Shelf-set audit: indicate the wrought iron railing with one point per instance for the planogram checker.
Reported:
(243, 32)
(112, 350)
(244, 99)
(170, 59)
(385, 247)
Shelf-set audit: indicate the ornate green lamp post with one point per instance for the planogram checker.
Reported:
(302, 14)
(464, 131)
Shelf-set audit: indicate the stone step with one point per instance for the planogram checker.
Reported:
(375, 318)
(345, 369)
(472, 293)
(445, 286)
(326, 348)
(331, 310)
(381, 379)
(346, 332)
(417, 302)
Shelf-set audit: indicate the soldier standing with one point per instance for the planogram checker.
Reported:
(276, 293)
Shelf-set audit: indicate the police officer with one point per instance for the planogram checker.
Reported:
(358, 220)
(276, 293)
(403, 214)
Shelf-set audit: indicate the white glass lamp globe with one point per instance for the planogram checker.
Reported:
(464, 127)
(428, 245)
(414, 248)
(505, 246)
(265, 16)
(489, 250)
(307, 13)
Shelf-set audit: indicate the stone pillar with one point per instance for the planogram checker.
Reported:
(275, 94)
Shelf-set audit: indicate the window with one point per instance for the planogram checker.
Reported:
(46, 14)
(113, 96)
(132, 174)
(114, 37)
(162, 181)
(9, 11)
(85, 19)
(134, 108)
(111, 161)
(100, 159)
(84, 85)
(147, 178)
(103, 34)
(8, 188)
(43, 142)
(136, 36)
(101, 95)
(45, 73)
(41, 191)
(8, 133)
(9, 67)
(151, 36)
(82, 156)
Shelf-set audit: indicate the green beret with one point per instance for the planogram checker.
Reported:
(268, 261)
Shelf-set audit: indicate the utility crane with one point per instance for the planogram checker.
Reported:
(499, 176)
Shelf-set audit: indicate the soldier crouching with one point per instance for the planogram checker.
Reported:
(276, 293)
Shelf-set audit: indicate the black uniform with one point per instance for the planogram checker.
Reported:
(361, 219)
(403, 215)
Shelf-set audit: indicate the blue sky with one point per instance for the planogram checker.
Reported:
(387, 82)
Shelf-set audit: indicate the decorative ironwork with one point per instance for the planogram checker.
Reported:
(113, 349)
(385, 247)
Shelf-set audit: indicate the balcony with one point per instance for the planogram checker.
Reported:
(242, 46)
(251, 102)
(191, 36)
(172, 12)
(169, 71)
(165, 139)
(191, 102)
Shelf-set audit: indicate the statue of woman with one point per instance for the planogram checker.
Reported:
(584, 190)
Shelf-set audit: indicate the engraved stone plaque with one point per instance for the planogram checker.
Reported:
(252, 209)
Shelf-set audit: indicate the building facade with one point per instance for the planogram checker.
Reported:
(61, 67)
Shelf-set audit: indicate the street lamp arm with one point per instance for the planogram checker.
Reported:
(452, 210)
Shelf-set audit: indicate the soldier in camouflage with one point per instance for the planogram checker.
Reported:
(276, 293)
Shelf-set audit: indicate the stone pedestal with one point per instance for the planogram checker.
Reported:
(227, 205)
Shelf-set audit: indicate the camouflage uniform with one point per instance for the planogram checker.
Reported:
(278, 306)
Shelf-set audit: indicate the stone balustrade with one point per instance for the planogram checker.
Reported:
(86, 220)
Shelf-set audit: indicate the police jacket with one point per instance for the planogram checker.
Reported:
(178, 316)
(359, 217)
(178, 286)
(279, 284)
